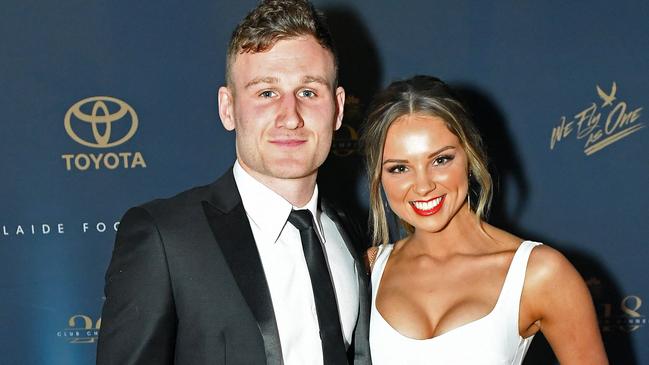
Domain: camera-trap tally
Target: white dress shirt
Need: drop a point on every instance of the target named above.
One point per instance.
(280, 250)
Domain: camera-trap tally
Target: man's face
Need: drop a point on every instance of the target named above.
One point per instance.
(284, 108)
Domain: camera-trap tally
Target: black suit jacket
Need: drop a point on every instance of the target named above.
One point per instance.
(186, 286)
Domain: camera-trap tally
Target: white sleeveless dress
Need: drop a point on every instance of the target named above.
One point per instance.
(490, 340)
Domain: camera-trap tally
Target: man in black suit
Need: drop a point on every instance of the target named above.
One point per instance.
(232, 272)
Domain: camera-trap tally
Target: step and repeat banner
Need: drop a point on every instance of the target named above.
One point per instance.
(108, 104)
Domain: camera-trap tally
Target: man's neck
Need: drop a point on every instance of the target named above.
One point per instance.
(297, 191)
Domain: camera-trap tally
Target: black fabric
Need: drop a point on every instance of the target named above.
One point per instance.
(333, 347)
(240, 251)
(178, 291)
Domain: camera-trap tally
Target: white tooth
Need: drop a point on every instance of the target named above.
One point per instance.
(424, 205)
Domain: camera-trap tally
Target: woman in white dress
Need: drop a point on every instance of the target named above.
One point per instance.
(457, 290)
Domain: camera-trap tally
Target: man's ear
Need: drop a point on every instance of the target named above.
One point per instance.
(340, 106)
(226, 108)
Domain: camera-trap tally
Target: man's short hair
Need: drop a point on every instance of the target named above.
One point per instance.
(275, 20)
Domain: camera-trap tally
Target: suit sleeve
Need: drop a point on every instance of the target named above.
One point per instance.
(138, 317)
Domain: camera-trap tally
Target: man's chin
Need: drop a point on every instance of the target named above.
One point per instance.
(290, 168)
(282, 168)
(292, 173)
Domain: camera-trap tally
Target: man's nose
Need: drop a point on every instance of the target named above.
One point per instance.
(289, 115)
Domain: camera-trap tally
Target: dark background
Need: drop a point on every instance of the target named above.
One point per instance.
(520, 66)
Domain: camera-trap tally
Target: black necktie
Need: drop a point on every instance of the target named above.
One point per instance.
(333, 347)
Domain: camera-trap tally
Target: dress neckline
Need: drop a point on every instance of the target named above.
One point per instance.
(389, 248)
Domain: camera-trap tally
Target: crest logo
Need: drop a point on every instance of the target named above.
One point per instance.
(97, 115)
(345, 140)
(600, 125)
(616, 314)
(81, 329)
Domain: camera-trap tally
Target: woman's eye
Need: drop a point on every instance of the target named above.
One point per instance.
(443, 160)
(398, 169)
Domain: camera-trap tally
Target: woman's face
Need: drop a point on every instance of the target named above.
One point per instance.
(424, 171)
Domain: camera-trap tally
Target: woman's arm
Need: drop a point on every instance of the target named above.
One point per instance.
(557, 302)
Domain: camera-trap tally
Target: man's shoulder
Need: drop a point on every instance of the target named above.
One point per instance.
(348, 219)
(189, 200)
(338, 210)
(190, 196)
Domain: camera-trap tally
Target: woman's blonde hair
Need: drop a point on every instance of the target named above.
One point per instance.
(422, 95)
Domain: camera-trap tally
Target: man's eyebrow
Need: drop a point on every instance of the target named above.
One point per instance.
(262, 80)
(317, 79)
(274, 80)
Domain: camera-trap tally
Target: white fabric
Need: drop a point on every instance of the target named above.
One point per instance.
(490, 340)
(280, 249)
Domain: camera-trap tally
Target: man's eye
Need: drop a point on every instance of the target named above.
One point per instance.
(267, 94)
(307, 93)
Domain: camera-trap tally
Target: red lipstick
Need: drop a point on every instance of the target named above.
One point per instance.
(428, 207)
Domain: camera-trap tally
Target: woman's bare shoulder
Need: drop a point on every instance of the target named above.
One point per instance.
(547, 264)
(553, 282)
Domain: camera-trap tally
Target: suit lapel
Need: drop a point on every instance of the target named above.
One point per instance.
(231, 229)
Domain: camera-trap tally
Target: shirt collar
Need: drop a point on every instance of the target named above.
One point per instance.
(268, 210)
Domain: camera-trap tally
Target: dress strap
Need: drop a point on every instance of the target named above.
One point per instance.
(379, 265)
(510, 297)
